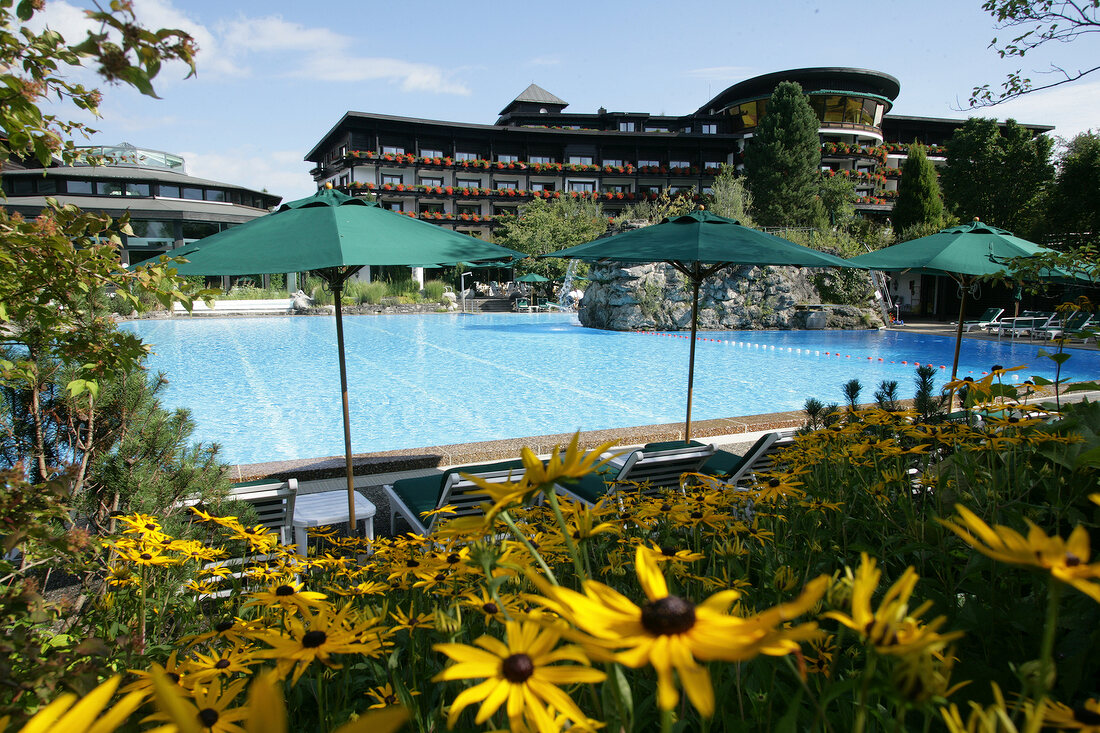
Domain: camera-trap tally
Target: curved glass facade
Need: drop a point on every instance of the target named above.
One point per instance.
(847, 109)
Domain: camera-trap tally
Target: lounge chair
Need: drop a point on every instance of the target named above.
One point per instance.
(412, 497)
(985, 320)
(659, 467)
(521, 304)
(1025, 325)
(272, 500)
(1064, 329)
(543, 304)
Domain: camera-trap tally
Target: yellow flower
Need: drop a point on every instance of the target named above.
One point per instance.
(208, 705)
(672, 633)
(892, 629)
(1067, 560)
(89, 714)
(1085, 717)
(412, 621)
(999, 717)
(288, 596)
(203, 668)
(315, 637)
(385, 696)
(668, 553)
(520, 673)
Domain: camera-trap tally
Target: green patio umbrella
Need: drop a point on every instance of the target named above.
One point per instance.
(964, 253)
(532, 277)
(334, 235)
(699, 245)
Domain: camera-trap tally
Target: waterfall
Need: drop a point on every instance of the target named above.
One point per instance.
(567, 283)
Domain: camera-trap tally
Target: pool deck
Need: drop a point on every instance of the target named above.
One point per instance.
(938, 328)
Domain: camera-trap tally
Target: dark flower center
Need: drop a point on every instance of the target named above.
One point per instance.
(146, 556)
(208, 717)
(410, 563)
(490, 608)
(666, 507)
(668, 615)
(391, 699)
(1013, 419)
(668, 550)
(221, 664)
(696, 515)
(1086, 716)
(517, 668)
(223, 626)
(150, 527)
(314, 639)
(284, 590)
(440, 577)
(773, 482)
(453, 558)
(1072, 560)
(577, 534)
(173, 676)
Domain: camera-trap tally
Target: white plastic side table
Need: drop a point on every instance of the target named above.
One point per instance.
(328, 507)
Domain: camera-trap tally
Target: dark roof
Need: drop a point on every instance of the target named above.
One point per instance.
(858, 81)
(130, 173)
(537, 94)
(140, 206)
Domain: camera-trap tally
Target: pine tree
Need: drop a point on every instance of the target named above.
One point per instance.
(783, 161)
(919, 201)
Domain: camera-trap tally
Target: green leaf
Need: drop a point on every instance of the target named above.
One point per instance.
(1088, 458)
(1083, 387)
(789, 721)
(1041, 381)
(1060, 358)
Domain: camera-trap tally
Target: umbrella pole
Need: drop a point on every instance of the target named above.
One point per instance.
(337, 292)
(695, 282)
(958, 339)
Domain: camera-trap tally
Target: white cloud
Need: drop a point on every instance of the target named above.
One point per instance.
(319, 54)
(281, 172)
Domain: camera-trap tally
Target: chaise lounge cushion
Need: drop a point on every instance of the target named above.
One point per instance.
(421, 494)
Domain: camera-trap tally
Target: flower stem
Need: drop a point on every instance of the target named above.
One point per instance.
(552, 497)
(507, 519)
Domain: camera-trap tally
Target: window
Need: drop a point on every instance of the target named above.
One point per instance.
(430, 153)
(110, 188)
(674, 190)
(649, 163)
(394, 205)
(431, 181)
(540, 159)
(192, 193)
(469, 209)
(707, 191)
(431, 208)
(198, 229)
(626, 126)
(580, 160)
(217, 194)
(504, 211)
(679, 164)
(172, 192)
(393, 150)
(468, 182)
(616, 162)
(685, 128)
(649, 189)
(344, 180)
(616, 188)
(716, 164)
(656, 129)
(137, 189)
(150, 229)
(465, 156)
(512, 185)
(581, 186)
(47, 185)
(540, 186)
(710, 128)
(507, 158)
(391, 179)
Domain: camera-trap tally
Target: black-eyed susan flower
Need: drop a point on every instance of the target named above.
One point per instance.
(288, 596)
(1084, 717)
(315, 637)
(88, 714)
(384, 696)
(412, 621)
(1067, 560)
(522, 673)
(670, 553)
(671, 633)
(174, 670)
(998, 717)
(892, 628)
(208, 705)
(202, 668)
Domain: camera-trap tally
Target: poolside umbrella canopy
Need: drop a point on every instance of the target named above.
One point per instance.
(699, 245)
(964, 253)
(334, 235)
(532, 277)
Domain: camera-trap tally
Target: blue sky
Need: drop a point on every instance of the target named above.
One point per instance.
(274, 76)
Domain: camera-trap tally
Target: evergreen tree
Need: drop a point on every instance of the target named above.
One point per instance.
(919, 203)
(783, 161)
(999, 176)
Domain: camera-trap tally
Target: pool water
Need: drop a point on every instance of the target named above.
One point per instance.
(267, 389)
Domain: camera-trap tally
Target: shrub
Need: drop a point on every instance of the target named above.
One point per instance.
(408, 287)
(434, 289)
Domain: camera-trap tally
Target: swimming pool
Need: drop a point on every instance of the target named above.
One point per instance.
(267, 389)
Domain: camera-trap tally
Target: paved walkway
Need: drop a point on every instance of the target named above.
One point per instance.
(939, 328)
